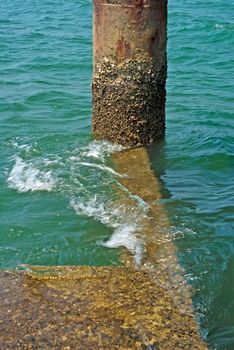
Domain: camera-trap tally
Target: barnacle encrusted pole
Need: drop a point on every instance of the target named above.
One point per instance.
(130, 69)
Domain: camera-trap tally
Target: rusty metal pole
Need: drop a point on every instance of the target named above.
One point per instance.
(130, 68)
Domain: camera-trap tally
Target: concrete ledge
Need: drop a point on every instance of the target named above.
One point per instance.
(90, 308)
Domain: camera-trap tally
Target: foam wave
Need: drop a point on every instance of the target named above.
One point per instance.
(226, 26)
(101, 149)
(97, 208)
(219, 26)
(24, 145)
(25, 177)
(125, 236)
(121, 218)
(102, 167)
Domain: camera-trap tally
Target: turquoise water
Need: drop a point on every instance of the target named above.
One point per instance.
(56, 183)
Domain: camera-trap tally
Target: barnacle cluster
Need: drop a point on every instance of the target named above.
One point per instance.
(129, 101)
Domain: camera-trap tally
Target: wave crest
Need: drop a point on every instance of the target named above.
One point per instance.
(24, 177)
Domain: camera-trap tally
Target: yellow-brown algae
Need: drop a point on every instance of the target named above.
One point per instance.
(91, 308)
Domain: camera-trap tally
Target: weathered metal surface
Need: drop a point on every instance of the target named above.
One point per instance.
(74, 308)
(129, 28)
(130, 69)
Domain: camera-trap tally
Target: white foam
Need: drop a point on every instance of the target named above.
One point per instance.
(96, 208)
(125, 236)
(123, 220)
(52, 161)
(102, 167)
(74, 158)
(219, 26)
(101, 149)
(24, 144)
(25, 177)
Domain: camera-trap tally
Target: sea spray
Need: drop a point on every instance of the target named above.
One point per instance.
(126, 236)
(75, 175)
(101, 149)
(25, 177)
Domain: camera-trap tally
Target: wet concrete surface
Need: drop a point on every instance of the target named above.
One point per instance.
(91, 308)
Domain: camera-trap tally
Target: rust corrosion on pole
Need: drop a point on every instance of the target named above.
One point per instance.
(130, 69)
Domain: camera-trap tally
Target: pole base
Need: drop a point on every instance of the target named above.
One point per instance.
(129, 101)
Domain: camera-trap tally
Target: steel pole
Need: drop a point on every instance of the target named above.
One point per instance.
(129, 70)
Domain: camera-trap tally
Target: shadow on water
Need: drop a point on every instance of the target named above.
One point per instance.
(199, 255)
(157, 158)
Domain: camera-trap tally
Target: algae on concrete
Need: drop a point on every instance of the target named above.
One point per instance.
(74, 308)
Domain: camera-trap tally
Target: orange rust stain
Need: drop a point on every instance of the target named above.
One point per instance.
(137, 8)
(138, 4)
(123, 49)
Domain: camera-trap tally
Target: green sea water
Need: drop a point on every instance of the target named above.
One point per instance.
(56, 182)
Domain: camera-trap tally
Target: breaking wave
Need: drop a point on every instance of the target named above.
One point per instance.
(25, 177)
(101, 149)
(75, 174)
(123, 219)
(101, 167)
(125, 236)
